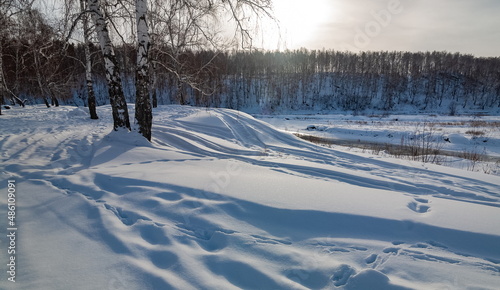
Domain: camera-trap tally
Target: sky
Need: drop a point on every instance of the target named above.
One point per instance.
(465, 26)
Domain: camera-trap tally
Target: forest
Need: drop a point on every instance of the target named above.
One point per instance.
(271, 80)
(40, 65)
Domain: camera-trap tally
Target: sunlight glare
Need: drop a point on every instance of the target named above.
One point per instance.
(299, 20)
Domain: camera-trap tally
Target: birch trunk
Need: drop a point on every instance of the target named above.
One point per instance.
(2, 90)
(88, 63)
(153, 79)
(39, 79)
(116, 96)
(143, 111)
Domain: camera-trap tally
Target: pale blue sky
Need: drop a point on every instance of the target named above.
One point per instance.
(466, 26)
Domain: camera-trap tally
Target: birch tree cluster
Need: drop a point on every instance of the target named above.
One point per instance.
(151, 52)
(177, 25)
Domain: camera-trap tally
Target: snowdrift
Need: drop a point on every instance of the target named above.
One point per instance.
(220, 200)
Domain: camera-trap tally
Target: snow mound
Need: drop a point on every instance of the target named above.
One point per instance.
(78, 112)
(372, 279)
(220, 200)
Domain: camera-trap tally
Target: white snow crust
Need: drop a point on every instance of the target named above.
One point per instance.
(221, 200)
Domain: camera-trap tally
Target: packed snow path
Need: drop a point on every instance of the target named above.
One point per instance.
(220, 200)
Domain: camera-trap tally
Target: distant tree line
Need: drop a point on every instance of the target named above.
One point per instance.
(289, 80)
(385, 80)
(40, 64)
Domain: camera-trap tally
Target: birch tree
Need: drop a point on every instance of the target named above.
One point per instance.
(188, 25)
(88, 62)
(143, 111)
(194, 27)
(3, 24)
(116, 96)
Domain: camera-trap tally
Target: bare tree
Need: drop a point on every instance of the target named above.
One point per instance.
(88, 61)
(8, 10)
(3, 25)
(186, 25)
(143, 110)
(47, 65)
(181, 27)
(72, 17)
(116, 96)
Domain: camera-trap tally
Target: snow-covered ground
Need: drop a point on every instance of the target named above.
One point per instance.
(477, 137)
(220, 200)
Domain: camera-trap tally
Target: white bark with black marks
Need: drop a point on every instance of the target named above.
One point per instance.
(153, 80)
(3, 24)
(143, 110)
(88, 62)
(2, 90)
(116, 96)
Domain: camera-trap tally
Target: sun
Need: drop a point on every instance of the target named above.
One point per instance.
(300, 20)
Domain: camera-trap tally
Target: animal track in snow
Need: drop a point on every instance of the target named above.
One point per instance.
(428, 257)
(126, 217)
(345, 249)
(433, 251)
(357, 248)
(419, 205)
(331, 248)
(266, 240)
(153, 234)
(420, 245)
(371, 259)
(163, 259)
(422, 200)
(311, 279)
(391, 250)
(217, 242)
(342, 275)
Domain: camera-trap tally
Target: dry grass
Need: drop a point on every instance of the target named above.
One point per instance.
(484, 124)
(417, 147)
(474, 158)
(475, 133)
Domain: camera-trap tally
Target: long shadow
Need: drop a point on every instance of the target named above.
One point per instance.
(96, 228)
(336, 159)
(260, 130)
(300, 225)
(284, 226)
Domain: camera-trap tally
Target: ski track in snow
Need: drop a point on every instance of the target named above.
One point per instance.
(220, 200)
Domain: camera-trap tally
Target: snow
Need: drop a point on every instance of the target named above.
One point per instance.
(452, 134)
(221, 200)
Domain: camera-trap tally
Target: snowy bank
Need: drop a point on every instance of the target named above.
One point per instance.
(220, 200)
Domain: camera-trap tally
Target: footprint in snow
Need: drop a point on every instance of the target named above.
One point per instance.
(153, 234)
(342, 275)
(419, 205)
(371, 259)
(163, 259)
(391, 250)
(128, 218)
(218, 241)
